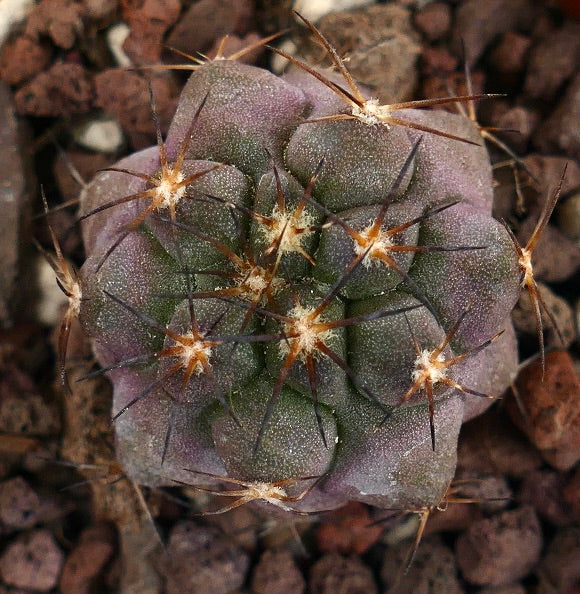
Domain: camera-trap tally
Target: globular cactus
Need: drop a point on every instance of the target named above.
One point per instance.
(299, 292)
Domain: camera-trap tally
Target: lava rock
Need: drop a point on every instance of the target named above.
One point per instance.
(492, 445)
(348, 531)
(99, 9)
(33, 561)
(277, 573)
(125, 96)
(561, 131)
(552, 62)
(551, 403)
(86, 164)
(499, 550)
(22, 409)
(59, 19)
(434, 21)
(453, 517)
(334, 573)
(383, 48)
(510, 54)
(19, 505)
(544, 491)
(22, 58)
(477, 24)
(148, 21)
(559, 570)
(433, 570)
(208, 20)
(60, 91)
(87, 559)
(518, 124)
(572, 495)
(199, 559)
(436, 60)
(511, 589)
(525, 320)
(547, 169)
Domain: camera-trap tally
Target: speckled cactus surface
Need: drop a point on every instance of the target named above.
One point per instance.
(279, 294)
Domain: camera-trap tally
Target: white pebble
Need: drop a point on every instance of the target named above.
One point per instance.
(100, 136)
(279, 63)
(116, 36)
(50, 298)
(313, 10)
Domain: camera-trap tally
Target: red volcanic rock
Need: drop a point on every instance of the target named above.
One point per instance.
(125, 95)
(58, 19)
(201, 560)
(433, 569)
(502, 549)
(277, 573)
(552, 415)
(477, 24)
(509, 56)
(559, 570)
(552, 62)
(32, 561)
(61, 90)
(22, 58)
(334, 573)
(348, 530)
(87, 559)
(434, 21)
(561, 131)
(148, 21)
(490, 444)
(208, 20)
(19, 504)
(544, 490)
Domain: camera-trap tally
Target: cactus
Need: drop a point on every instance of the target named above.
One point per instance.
(299, 292)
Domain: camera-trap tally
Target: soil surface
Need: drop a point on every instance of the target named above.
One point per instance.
(73, 101)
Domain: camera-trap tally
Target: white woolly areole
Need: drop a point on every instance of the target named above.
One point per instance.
(295, 230)
(425, 367)
(307, 333)
(368, 113)
(267, 491)
(372, 113)
(196, 350)
(272, 494)
(380, 245)
(255, 282)
(75, 298)
(168, 192)
(525, 262)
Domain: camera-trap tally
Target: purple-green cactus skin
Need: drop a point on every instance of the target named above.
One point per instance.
(248, 407)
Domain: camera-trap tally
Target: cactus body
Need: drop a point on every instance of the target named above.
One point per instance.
(264, 390)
